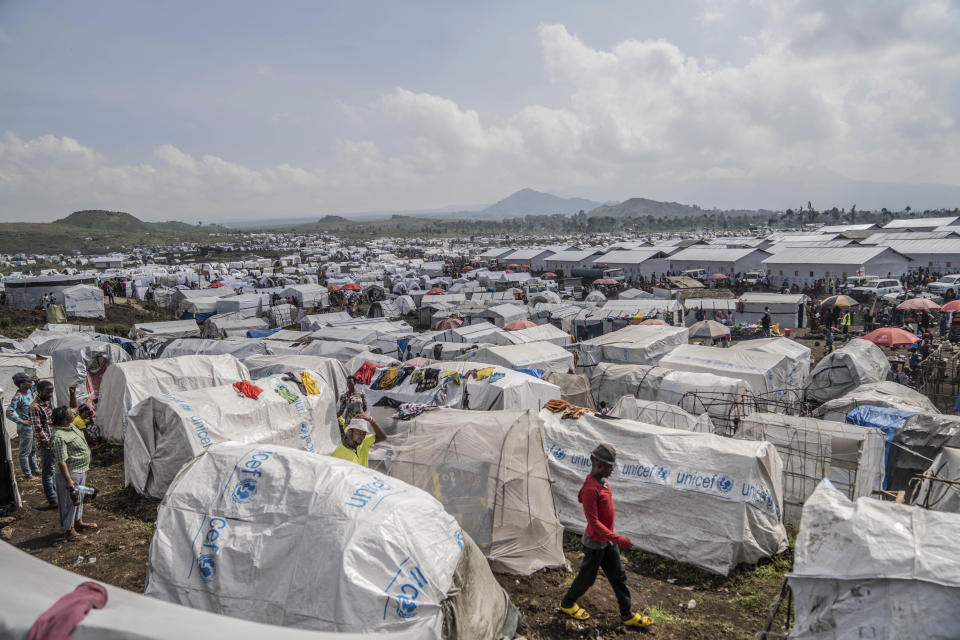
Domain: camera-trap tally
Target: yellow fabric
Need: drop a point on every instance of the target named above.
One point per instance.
(486, 372)
(845, 320)
(309, 384)
(360, 455)
(389, 378)
(79, 423)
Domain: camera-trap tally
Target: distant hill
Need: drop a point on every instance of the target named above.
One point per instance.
(530, 202)
(100, 220)
(637, 207)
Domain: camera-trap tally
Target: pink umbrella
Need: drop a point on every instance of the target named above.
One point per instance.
(507, 271)
(953, 305)
(449, 323)
(435, 291)
(332, 287)
(918, 304)
(548, 274)
(605, 281)
(891, 337)
(719, 276)
(516, 325)
(653, 321)
(351, 287)
(524, 267)
(468, 268)
(415, 362)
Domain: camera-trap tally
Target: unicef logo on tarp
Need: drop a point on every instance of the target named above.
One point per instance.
(406, 607)
(725, 484)
(559, 453)
(207, 566)
(662, 473)
(244, 490)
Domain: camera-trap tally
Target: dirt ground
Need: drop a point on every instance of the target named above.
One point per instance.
(19, 323)
(724, 607)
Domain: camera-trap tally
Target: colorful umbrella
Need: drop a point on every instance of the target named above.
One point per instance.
(719, 276)
(839, 301)
(548, 274)
(708, 329)
(516, 325)
(514, 266)
(525, 267)
(353, 286)
(917, 304)
(216, 285)
(468, 268)
(653, 321)
(891, 337)
(449, 323)
(332, 287)
(953, 305)
(435, 291)
(605, 281)
(507, 271)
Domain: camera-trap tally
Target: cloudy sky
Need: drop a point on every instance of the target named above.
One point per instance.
(250, 110)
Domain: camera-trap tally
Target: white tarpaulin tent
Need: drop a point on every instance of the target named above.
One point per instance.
(850, 455)
(768, 374)
(83, 301)
(661, 414)
(798, 354)
(166, 330)
(545, 356)
(940, 490)
(164, 431)
(856, 363)
(232, 324)
(331, 371)
(14, 363)
(540, 333)
(73, 357)
(878, 394)
(724, 399)
(238, 347)
(694, 497)
(489, 470)
(276, 535)
(874, 569)
(127, 383)
(633, 344)
(126, 614)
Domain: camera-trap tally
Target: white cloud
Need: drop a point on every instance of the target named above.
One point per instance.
(865, 89)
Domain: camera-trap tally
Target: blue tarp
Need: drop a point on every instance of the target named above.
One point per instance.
(536, 373)
(199, 317)
(887, 420)
(262, 333)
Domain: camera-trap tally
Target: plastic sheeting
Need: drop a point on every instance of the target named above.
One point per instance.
(331, 371)
(574, 387)
(71, 356)
(727, 396)
(769, 374)
(238, 347)
(941, 495)
(858, 362)
(873, 569)
(633, 344)
(694, 497)
(850, 455)
(661, 414)
(281, 536)
(83, 301)
(164, 431)
(127, 383)
(168, 330)
(798, 354)
(878, 394)
(532, 355)
(918, 440)
(127, 614)
(489, 470)
(232, 324)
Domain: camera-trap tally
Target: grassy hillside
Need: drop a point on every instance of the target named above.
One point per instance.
(106, 221)
(637, 207)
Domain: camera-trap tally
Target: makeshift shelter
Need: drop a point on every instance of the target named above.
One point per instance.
(330, 370)
(333, 542)
(877, 394)
(198, 309)
(78, 359)
(632, 344)
(724, 399)
(12, 364)
(858, 362)
(799, 355)
(574, 388)
(232, 324)
(918, 439)
(83, 301)
(238, 347)
(850, 455)
(320, 320)
(489, 470)
(940, 488)
(165, 431)
(542, 333)
(283, 315)
(127, 383)
(789, 310)
(545, 356)
(307, 295)
(247, 304)
(717, 501)
(165, 330)
(874, 569)
(660, 414)
(127, 614)
(503, 314)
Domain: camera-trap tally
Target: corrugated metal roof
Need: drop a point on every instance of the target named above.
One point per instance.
(804, 237)
(831, 244)
(840, 228)
(885, 238)
(715, 254)
(942, 245)
(525, 254)
(915, 223)
(830, 255)
(632, 256)
(736, 242)
(667, 249)
(572, 256)
(495, 252)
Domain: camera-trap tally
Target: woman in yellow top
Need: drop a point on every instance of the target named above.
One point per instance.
(357, 439)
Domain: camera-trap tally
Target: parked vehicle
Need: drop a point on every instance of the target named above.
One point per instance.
(857, 281)
(944, 284)
(882, 287)
(754, 277)
(696, 274)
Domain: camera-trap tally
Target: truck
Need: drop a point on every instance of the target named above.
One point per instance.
(589, 274)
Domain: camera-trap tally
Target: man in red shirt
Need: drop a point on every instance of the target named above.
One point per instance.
(601, 546)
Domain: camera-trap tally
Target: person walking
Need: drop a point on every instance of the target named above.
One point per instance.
(41, 417)
(601, 546)
(72, 457)
(18, 412)
(765, 322)
(845, 322)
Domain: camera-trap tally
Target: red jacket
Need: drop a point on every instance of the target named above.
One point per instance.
(597, 501)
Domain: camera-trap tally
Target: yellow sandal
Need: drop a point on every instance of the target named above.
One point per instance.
(639, 621)
(576, 611)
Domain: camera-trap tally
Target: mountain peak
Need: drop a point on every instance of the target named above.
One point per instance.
(105, 220)
(528, 201)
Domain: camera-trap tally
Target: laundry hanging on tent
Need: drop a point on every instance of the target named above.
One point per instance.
(364, 374)
(309, 384)
(536, 373)
(450, 374)
(286, 394)
(410, 410)
(430, 379)
(496, 376)
(247, 389)
(387, 379)
(486, 372)
(569, 410)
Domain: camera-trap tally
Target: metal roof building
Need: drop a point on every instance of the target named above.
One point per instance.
(806, 265)
(921, 224)
(635, 262)
(840, 228)
(940, 254)
(717, 259)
